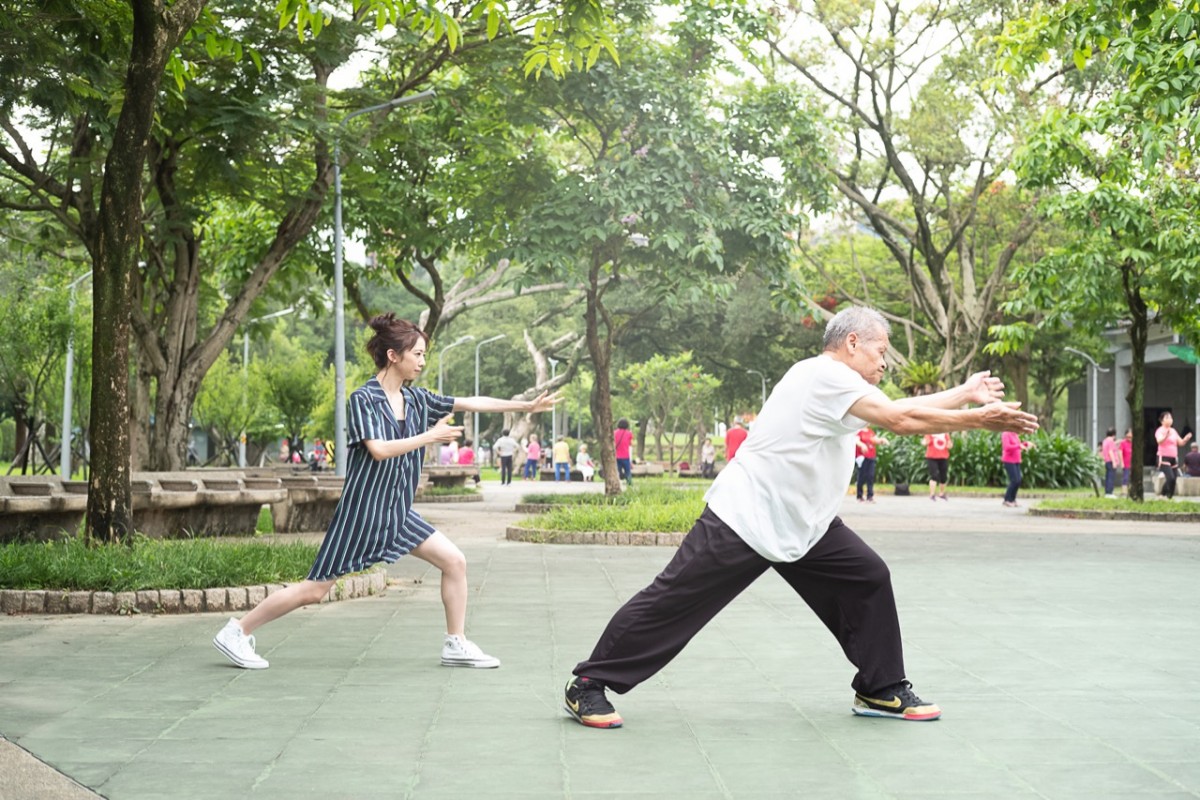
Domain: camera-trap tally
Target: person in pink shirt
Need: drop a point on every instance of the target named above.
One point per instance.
(622, 439)
(1110, 451)
(1126, 458)
(466, 454)
(1011, 448)
(1169, 441)
(937, 459)
(533, 454)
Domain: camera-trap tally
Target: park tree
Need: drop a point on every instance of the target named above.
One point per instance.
(675, 394)
(662, 189)
(94, 182)
(231, 403)
(926, 132)
(292, 379)
(1122, 175)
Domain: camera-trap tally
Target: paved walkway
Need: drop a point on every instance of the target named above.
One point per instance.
(1063, 652)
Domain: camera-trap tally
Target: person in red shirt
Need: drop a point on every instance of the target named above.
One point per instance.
(1126, 458)
(865, 456)
(622, 440)
(733, 440)
(937, 458)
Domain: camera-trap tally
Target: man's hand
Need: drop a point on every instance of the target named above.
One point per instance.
(443, 431)
(1007, 417)
(544, 401)
(981, 388)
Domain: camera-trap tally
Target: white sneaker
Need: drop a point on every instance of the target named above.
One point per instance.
(1110, 497)
(238, 647)
(460, 652)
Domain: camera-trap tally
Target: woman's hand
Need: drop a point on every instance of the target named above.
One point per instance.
(443, 431)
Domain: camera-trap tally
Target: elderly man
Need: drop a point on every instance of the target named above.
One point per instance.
(775, 507)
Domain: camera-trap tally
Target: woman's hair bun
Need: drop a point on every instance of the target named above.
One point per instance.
(382, 322)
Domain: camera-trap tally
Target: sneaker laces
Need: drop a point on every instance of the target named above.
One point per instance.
(592, 698)
(907, 696)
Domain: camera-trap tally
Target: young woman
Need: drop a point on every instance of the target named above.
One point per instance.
(390, 425)
(1169, 441)
(1011, 448)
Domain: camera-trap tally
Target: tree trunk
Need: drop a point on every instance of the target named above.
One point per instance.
(156, 30)
(600, 349)
(1138, 332)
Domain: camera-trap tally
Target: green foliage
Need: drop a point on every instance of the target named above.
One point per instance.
(231, 400)
(70, 564)
(671, 391)
(658, 510)
(293, 380)
(921, 377)
(1056, 461)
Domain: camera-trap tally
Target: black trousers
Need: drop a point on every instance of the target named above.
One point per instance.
(1014, 481)
(1166, 465)
(841, 579)
(506, 465)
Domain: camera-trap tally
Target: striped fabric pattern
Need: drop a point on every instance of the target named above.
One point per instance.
(374, 520)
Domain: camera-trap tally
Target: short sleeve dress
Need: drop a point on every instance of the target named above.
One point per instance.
(374, 520)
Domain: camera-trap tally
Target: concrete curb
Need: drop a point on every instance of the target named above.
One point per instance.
(449, 498)
(1132, 516)
(635, 538)
(174, 601)
(537, 508)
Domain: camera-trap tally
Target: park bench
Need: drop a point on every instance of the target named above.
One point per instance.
(449, 475)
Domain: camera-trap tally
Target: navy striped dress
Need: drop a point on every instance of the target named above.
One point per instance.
(374, 520)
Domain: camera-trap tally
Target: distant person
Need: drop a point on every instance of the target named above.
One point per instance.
(584, 463)
(1011, 448)
(622, 442)
(533, 454)
(285, 451)
(1169, 442)
(297, 458)
(466, 458)
(1126, 458)
(937, 460)
(867, 458)
(562, 460)
(708, 458)
(1191, 462)
(1110, 452)
(505, 448)
(320, 455)
(775, 507)
(390, 423)
(733, 440)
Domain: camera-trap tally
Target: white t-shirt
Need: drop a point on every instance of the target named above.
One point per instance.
(791, 474)
(505, 446)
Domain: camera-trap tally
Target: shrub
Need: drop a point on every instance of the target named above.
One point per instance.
(1056, 461)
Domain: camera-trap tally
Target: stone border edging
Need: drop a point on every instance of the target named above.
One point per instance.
(449, 498)
(1132, 516)
(537, 508)
(636, 538)
(173, 601)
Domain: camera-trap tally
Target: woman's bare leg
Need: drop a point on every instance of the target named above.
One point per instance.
(442, 553)
(285, 600)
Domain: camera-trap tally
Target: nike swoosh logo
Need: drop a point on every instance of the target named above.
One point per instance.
(573, 705)
(893, 703)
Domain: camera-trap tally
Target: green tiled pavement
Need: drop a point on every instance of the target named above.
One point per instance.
(1062, 652)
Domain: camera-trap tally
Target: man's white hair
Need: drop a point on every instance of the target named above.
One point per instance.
(868, 323)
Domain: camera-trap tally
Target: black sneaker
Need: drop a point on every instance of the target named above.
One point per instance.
(896, 702)
(585, 701)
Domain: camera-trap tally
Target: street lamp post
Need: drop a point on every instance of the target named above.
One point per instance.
(763, 393)
(339, 313)
(553, 409)
(442, 358)
(246, 374)
(64, 457)
(475, 415)
(1093, 390)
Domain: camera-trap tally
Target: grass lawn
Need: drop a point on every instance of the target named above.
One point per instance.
(656, 509)
(69, 564)
(1177, 506)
